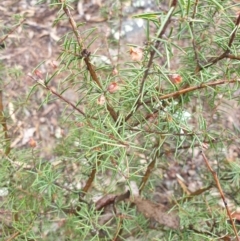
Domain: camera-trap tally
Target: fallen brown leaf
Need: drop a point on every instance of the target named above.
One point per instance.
(158, 212)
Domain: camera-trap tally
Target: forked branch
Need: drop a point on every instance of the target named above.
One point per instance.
(226, 53)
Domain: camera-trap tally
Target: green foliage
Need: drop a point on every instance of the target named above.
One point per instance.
(134, 121)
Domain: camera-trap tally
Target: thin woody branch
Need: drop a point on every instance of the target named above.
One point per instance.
(193, 88)
(147, 174)
(61, 97)
(85, 54)
(191, 24)
(187, 90)
(111, 137)
(150, 62)
(215, 177)
(226, 53)
(231, 56)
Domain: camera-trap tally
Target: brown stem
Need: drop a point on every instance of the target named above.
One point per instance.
(185, 91)
(85, 54)
(193, 88)
(41, 82)
(64, 99)
(150, 62)
(193, 34)
(231, 56)
(226, 52)
(3, 122)
(13, 236)
(234, 32)
(215, 177)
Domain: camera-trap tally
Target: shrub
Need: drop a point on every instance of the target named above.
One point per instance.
(145, 151)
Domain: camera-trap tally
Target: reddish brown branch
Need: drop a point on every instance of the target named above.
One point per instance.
(234, 32)
(85, 54)
(215, 177)
(187, 90)
(193, 88)
(231, 56)
(226, 52)
(153, 52)
(41, 82)
(62, 98)
(13, 236)
(73, 24)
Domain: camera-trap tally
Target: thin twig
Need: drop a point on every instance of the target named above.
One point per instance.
(119, 31)
(13, 236)
(3, 122)
(225, 54)
(11, 31)
(153, 51)
(231, 56)
(62, 98)
(234, 32)
(189, 89)
(215, 177)
(193, 34)
(65, 100)
(193, 88)
(111, 137)
(149, 168)
(73, 24)
(150, 62)
(85, 54)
